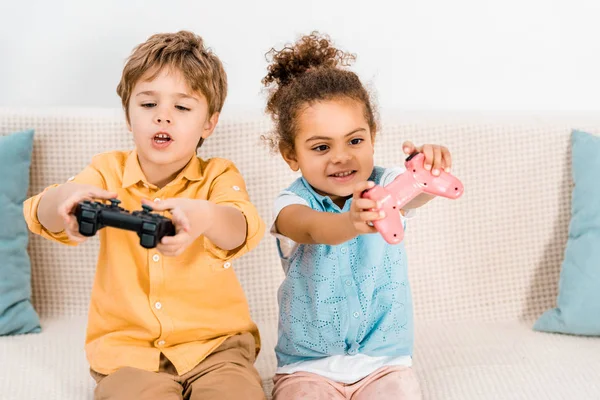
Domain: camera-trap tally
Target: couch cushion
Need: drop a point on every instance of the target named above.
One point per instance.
(504, 361)
(578, 308)
(49, 365)
(16, 311)
(460, 360)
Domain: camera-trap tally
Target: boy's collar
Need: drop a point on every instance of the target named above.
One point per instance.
(133, 173)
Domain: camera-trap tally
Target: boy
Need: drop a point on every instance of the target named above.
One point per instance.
(170, 322)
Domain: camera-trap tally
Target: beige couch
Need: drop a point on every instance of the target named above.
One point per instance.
(482, 268)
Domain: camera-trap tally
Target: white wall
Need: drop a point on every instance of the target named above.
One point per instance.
(417, 54)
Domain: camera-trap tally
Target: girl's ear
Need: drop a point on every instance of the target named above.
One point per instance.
(289, 155)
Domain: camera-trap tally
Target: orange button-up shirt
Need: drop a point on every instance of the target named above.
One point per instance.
(144, 303)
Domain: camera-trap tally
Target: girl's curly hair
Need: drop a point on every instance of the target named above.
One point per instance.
(308, 71)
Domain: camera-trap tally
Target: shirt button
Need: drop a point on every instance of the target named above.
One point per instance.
(236, 188)
(155, 258)
(348, 282)
(352, 351)
(356, 314)
(343, 250)
(158, 305)
(160, 343)
(156, 200)
(71, 179)
(227, 265)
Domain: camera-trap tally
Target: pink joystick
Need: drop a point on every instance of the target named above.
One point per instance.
(408, 185)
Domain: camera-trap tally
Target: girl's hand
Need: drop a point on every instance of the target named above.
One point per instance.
(364, 211)
(436, 157)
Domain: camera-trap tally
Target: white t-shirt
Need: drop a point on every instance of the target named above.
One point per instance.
(339, 368)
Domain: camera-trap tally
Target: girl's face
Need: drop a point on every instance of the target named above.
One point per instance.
(333, 147)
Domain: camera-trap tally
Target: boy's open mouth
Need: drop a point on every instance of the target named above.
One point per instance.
(162, 137)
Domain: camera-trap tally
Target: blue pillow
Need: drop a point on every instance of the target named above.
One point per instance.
(578, 308)
(17, 315)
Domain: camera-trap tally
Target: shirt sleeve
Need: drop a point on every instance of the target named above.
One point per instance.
(285, 245)
(284, 199)
(229, 189)
(90, 176)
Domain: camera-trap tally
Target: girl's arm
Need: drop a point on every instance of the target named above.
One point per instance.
(418, 201)
(307, 226)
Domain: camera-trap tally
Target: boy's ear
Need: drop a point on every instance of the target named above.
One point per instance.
(289, 155)
(210, 125)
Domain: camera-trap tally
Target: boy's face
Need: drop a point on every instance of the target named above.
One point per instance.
(333, 147)
(168, 120)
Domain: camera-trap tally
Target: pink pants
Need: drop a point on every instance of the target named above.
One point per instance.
(393, 383)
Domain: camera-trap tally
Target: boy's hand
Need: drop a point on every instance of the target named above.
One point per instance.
(364, 211)
(191, 219)
(436, 156)
(76, 193)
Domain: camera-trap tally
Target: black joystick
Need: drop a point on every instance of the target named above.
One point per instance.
(151, 228)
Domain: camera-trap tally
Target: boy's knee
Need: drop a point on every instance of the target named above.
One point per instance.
(132, 383)
(230, 381)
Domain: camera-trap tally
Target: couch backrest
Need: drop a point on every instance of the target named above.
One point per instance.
(493, 254)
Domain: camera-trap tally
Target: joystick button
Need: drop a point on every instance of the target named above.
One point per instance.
(88, 214)
(147, 241)
(148, 227)
(86, 228)
(410, 157)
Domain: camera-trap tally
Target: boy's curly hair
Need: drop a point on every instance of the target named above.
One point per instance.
(308, 71)
(184, 51)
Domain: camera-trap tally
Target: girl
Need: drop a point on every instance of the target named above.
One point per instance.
(345, 308)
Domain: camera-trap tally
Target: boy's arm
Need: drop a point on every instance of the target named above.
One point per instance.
(48, 208)
(236, 227)
(228, 228)
(307, 226)
(42, 210)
